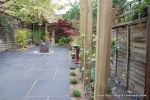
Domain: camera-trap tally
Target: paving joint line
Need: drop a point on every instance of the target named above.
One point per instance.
(31, 87)
(47, 98)
(55, 73)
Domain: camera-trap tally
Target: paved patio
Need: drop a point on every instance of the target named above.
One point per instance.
(30, 75)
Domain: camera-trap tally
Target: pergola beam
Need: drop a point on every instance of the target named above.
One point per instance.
(104, 27)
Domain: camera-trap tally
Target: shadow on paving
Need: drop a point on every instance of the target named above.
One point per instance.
(30, 75)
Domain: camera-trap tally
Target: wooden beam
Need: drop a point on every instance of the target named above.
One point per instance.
(104, 27)
(147, 74)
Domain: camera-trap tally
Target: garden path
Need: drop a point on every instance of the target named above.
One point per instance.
(29, 75)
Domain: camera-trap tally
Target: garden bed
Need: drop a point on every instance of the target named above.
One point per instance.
(78, 86)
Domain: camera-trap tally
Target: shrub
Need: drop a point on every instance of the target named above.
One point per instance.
(76, 93)
(73, 81)
(63, 40)
(21, 37)
(72, 73)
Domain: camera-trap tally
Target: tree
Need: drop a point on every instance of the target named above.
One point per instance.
(33, 11)
(73, 12)
(119, 3)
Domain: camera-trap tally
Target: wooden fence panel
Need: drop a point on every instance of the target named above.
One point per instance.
(122, 55)
(131, 56)
(137, 59)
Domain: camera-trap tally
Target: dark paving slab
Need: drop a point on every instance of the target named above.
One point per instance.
(24, 98)
(30, 75)
(14, 87)
(11, 74)
(60, 98)
(52, 88)
(39, 74)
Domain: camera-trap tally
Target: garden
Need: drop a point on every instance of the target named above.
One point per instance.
(109, 55)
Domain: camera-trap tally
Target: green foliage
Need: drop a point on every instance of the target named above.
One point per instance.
(119, 3)
(72, 73)
(73, 81)
(114, 47)
(90, 90)
(33, 11)
(72, 68)
(94, 10)
(127, 18)
(76, 93)
(73, 12)
(63, 40)
(21, 37)
(143, 4)
(37, 35)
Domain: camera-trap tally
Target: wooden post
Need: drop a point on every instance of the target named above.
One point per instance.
(104, 27)
(87, 41)
(53, 36)
(147, 73)
(81, 32)
(46, 32)
(81, 16)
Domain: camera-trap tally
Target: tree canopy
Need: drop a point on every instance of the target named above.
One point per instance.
(73, 12)
(33, 11)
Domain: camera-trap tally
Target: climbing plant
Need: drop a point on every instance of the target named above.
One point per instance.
(6, 25)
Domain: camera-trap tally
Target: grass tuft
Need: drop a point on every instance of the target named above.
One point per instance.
(72, 73)
(76, 93)
(73, 81)
(72, 68)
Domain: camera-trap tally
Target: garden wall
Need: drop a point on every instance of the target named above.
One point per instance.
(8, 25)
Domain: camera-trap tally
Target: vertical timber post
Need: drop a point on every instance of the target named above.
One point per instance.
(46, 31)
(81, 31)
(87, 41)
(147, 74)
(53, 36)
(81, 16)
(104, 27)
